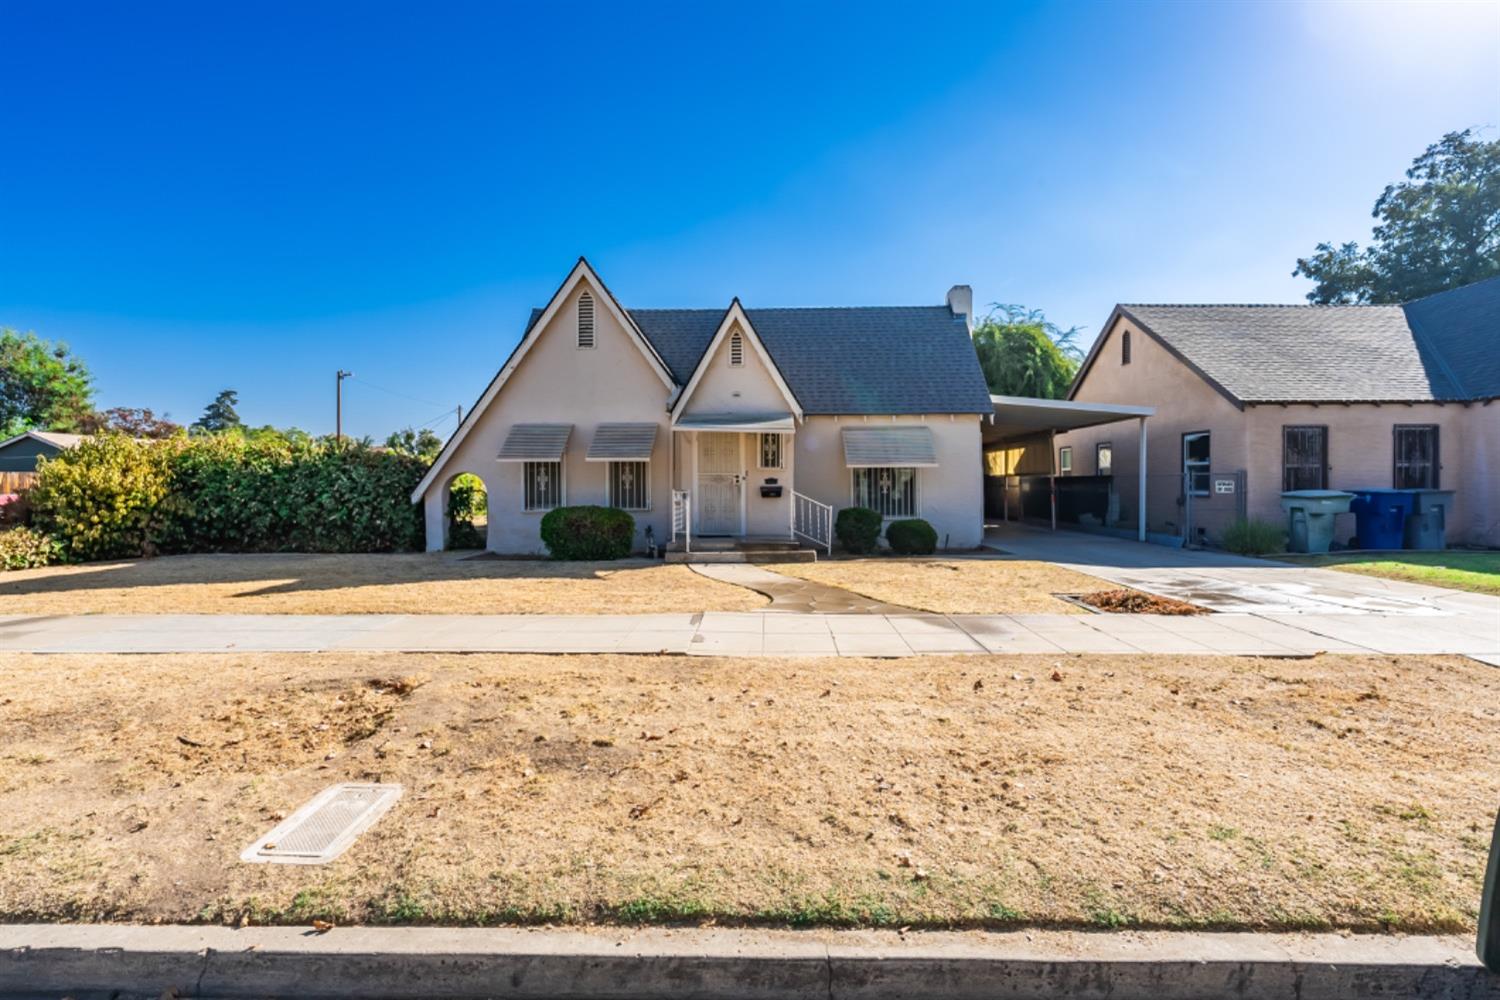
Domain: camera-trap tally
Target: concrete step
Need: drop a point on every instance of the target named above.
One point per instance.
(740, 556)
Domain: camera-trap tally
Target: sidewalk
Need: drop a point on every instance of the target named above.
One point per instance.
(434, 962)
(762, 634)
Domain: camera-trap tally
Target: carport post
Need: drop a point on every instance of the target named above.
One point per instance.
(1140, 488)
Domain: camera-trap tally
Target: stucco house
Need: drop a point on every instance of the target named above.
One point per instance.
(737, 424)
(1254, 399)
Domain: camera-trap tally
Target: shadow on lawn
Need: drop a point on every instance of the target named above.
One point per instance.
(287, 573)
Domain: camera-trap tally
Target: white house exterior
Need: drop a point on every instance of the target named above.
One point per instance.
(709, 411)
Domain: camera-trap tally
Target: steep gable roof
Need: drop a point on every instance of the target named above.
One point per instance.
(1445, 347)
(865, 359)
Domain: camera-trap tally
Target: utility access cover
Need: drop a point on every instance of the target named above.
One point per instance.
(325, 827)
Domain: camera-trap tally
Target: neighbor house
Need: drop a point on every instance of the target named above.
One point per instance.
(1252, 400)
(735, 424)
(18, 455)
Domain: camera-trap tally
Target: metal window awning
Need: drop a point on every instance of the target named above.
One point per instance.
(622, 443)
(751, 422)
(535, 443)
(889, 446)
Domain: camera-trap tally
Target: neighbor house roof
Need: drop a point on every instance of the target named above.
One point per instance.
(56, 439)
(1445, 347)
(854, 360)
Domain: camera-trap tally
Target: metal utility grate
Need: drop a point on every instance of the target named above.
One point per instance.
(325, 827)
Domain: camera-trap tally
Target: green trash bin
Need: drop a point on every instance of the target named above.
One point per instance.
(1310, 517)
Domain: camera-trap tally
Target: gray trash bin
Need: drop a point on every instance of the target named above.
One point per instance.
(1310, 517)
(1427, 527)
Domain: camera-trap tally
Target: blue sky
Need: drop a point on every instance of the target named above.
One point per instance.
(198, 196)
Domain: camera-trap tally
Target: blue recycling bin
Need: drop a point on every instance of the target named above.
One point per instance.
(1380, 517)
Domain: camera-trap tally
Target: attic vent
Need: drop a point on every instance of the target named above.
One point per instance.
(736, 350)
(1125, 348)
(585, 320)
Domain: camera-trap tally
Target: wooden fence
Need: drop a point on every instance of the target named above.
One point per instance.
(14, 482)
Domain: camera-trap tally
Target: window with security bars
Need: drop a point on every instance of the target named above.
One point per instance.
(770, 451)
(888, 492)
(543, 487)
(629, 486)
(1304, 458)
(736, 350)
(1416, 464)
(1195, 462)
(585, 320)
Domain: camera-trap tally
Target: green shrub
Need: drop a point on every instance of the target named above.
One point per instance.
(22, 548)
(466, 502)
(858, 530)
(912, 537)
(114, 497)
(1254, 537)
(107, 498)
(588, 532)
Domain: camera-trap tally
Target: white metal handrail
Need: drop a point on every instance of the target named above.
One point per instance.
(682, 518)
(813, 521)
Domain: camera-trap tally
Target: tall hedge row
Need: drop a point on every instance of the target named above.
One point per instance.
(113, 497)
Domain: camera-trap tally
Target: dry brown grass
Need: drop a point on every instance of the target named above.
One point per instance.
(974, 586)
(436, 583)
(1169, 791)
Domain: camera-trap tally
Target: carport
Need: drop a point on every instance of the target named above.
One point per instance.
(1019, 422)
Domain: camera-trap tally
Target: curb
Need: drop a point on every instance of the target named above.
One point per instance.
(392, 963)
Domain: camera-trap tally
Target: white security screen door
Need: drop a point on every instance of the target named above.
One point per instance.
(718, 497)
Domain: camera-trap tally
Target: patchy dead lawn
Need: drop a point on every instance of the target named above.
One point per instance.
(401, 583)
(975, 586)
(972, 791)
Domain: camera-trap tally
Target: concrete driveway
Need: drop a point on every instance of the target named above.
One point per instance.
(1225, 582)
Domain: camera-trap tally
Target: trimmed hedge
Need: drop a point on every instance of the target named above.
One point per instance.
(858, 530)
(115, 497)
(588, 532)
(912, 537)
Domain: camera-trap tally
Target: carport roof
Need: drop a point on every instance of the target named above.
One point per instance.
(1017, 417)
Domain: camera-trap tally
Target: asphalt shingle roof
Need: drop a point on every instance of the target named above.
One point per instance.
(1443, 347)
(862, 359)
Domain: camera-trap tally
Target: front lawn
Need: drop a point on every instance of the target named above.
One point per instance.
(402, 583)
(1478, 571)
(979, 585)
(1104, 791)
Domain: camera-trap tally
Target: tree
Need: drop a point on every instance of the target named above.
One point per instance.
(136, 423)
(423, 444)
(1438, 229)
(1022, 354)
(42, 385)
(220, 415)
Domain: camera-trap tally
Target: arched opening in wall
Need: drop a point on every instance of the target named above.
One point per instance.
(468, 512)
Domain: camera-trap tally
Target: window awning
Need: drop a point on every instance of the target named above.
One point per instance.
(535, 443)
(622, 443)
(888, 446)
(762, 422)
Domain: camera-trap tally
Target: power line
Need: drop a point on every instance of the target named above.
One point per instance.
(394, 392)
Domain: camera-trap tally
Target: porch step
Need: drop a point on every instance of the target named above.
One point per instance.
(741, 550)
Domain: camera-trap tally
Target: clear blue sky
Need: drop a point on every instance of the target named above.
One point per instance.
(252, 195)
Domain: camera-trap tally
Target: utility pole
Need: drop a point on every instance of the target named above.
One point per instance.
(460, 414)
(338, 403)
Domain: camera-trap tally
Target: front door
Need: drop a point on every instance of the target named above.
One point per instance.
(719, 484)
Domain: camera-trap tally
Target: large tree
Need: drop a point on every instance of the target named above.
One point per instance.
(220, 415)
(132, 422)
(423, 444)
(42, 385)
(1022, 354)
(1438, 229)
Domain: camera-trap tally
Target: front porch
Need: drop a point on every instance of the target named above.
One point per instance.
(734, 497)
